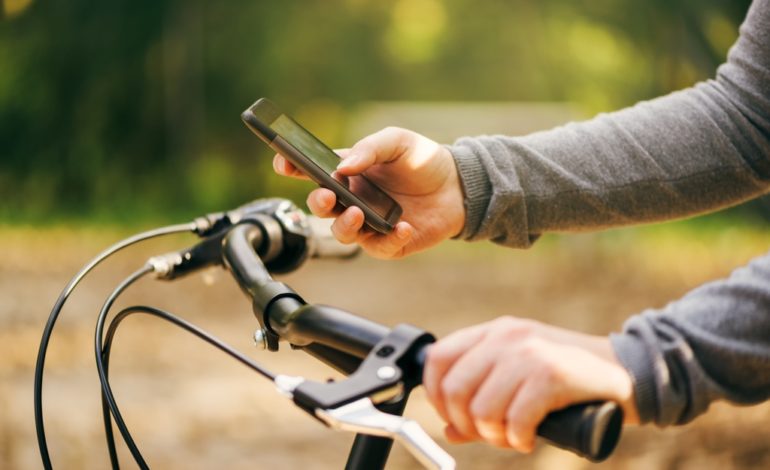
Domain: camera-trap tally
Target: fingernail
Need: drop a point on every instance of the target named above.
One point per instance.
(320, 201)
(348, 162)
(349, 220)
(328, 203)
(402, 233)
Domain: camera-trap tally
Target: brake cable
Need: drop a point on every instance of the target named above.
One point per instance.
(55, 312)
(109, 405)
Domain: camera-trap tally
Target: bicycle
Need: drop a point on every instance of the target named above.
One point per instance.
(382, 365)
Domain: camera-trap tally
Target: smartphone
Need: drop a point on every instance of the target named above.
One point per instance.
(284, 135)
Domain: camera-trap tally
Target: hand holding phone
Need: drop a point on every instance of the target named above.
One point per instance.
(319, 162)
(423, 174)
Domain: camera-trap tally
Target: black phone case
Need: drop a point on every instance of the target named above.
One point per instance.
(344, 196)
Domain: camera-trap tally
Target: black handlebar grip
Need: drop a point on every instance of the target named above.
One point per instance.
(591, 430)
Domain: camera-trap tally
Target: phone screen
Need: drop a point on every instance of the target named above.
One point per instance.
(327, 160)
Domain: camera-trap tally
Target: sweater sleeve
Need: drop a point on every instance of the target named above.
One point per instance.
(712, 344)
(692, 151)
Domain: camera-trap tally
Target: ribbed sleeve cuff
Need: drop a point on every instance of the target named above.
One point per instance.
(634, 356)
(477, 190)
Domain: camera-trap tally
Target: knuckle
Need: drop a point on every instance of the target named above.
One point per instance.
(375, 252)
(548, 373)
(481, 410)
(453, 391)
(551, 381)
(320, 199)
(382, 249)
(511, 419)
(341, 234)
(513, 327)
(506, 323)
(532, 348)
(392, 130)
(438, 356)
(396, 251)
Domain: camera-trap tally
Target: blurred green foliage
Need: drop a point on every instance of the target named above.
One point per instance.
(120, 110)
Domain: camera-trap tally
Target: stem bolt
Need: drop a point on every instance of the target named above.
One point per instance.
(386, 372)
(260, 338)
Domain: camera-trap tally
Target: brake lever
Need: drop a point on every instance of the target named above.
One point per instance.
(387, 374)
(361, 416)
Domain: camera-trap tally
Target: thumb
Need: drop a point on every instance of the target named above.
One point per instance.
(383, 146)
(342, 153)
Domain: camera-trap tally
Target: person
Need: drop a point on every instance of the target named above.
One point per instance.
(689, 152)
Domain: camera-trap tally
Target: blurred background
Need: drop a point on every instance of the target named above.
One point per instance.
(117, 116)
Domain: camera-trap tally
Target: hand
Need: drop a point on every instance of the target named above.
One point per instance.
(416, 171)
(498, 380)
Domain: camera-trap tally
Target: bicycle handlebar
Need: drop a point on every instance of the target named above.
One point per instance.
(343, 340)
(287, 238)
(383, 365)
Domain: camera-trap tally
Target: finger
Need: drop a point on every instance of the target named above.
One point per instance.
(343, 153)
(527, 410)
(348, 224)
(493, 398)
(286, 168)
(383, 146)
(440, 358)
(323, 203)
(454, 436)
(493, 434)
(463, 380)
(389, 245)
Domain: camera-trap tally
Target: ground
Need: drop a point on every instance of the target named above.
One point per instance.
(191, 407)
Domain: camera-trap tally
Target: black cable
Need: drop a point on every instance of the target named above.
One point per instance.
(108, 400)
(189, 327)
(54, 315)
(106, 391)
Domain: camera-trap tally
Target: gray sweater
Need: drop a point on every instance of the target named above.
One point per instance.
(690, 152)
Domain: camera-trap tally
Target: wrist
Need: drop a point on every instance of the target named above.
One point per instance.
(600, 346)
(456, 214)
(473, 188)
(624, 383)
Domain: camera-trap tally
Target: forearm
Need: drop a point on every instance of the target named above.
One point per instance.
(712, 344)
(690, 152)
